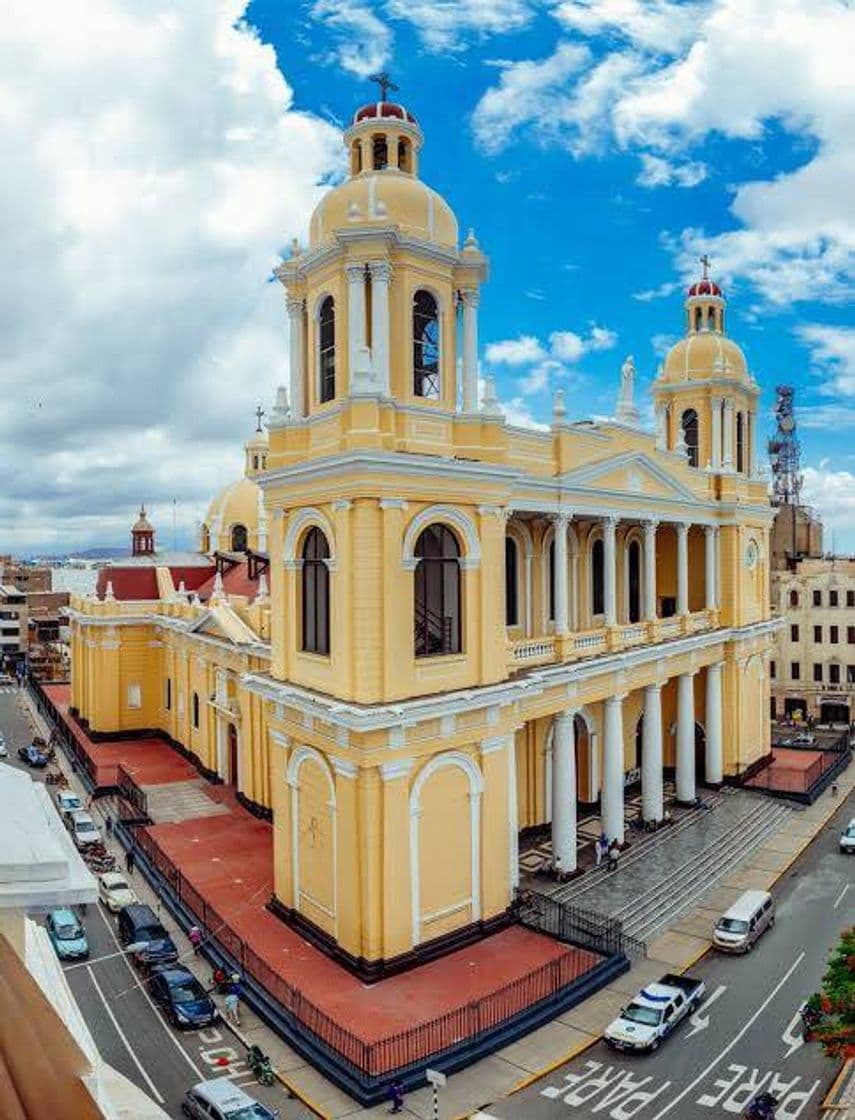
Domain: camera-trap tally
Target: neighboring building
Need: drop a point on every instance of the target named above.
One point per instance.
(13, 627)
(470, 627)
(49, 1063)
(813, 671)
(796, 533)
(26, 577)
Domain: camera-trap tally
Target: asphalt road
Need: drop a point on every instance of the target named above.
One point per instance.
(746, 1037)
(129, 1031)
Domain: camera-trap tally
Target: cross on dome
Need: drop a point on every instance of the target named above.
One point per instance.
(384, 82)
(259, 413)
(705, 261)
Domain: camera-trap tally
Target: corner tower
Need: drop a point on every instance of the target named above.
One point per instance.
(705, 396)
(374, 300)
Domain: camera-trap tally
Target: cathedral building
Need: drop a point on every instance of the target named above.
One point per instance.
(413, 630)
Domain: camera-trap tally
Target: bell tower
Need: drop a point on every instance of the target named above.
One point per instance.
(142, 536)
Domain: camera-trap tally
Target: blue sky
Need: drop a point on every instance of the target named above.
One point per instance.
(593, 210)
(161, 156)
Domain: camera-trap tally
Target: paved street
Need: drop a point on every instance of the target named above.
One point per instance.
(744, 1039)
(129, 1031)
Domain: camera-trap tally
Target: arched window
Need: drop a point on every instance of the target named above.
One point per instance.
(425, 346)
(404, 154)
(255, 462)
(740, 442)
(511, 583)
(699, 318)
(634, 578)
(380, 153)
(169, 694)
(239, 538)
(326, 340)
(598, 580)
(316, 593)
(196, 709)
(794, 598)
(689, 423)
(437, 605)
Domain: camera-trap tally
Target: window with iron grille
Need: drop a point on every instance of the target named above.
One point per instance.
(425, 346)
(326, 340)
(437, 593)
(316, 593)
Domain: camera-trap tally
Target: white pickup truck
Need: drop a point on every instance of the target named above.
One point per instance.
(655, 1012)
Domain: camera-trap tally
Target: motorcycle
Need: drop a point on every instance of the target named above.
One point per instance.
(260, 1065)
(811, 1018)
(762, 1107)
(56, 778)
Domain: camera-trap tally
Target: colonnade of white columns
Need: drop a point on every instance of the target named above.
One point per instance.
(564, 791)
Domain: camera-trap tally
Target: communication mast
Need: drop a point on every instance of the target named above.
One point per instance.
(784, 454)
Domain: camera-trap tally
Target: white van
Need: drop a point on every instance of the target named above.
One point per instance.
(739, 927)
(83, 829)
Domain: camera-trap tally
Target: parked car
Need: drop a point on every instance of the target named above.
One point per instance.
(83, 828)
(847, 838)
(181, 997)
(4, 750)
(654, 1013)
(114, 892)
(219, 1099)
(740, 926)
(67, 935)
(139, 925)
(32, 756)
(67, 802)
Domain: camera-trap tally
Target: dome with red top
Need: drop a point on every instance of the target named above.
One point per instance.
(704, 287)
(383, 109)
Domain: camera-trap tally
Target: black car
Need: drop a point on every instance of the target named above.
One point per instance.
(138, 925)
(32, 756)
(181, 997)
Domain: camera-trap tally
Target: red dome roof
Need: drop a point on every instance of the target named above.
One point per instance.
(704, 288)
(383, 109)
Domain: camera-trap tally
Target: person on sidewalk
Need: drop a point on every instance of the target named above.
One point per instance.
(598, 851)
(396, 1096)
(194, 935)
(108, 825)
(130, 860)
(233, 1000)
(614, 856)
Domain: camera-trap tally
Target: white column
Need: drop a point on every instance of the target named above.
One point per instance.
(611, 798)
(710, 556)
(651, 754)
(751, 418)
(685, 738)
(650, 570)
(609, 572)
(560, 574)
(716, 434)
(661, 433)
(714, 753)
(682, 568)
(470, 349)
(727, 462)
(298, 396)
(563, 794)
(528, 596)
(355, 322)
(381, 275)
(513, 812)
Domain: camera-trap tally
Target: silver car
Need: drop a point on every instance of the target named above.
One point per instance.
(219, 1099)
(847, 838)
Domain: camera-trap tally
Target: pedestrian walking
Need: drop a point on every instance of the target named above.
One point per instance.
(194, 935)
(396, 1096)
(598, 851)
(233, 1000)
(108, 825)
(614, 856)
(130, 860)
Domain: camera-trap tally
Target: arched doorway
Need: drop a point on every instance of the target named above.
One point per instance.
(232, 773)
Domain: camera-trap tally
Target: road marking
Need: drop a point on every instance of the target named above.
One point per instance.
(735, 1039)
(154, 1090)
(701, 1022)
(790, 1040)
(840, 896)
(141, 987)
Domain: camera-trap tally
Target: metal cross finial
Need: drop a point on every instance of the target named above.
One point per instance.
(259, 412)
(384, 82)
(705, 261)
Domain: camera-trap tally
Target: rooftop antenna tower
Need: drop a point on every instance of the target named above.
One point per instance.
(784, 456)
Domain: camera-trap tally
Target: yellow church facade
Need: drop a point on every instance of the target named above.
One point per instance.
(414, 630)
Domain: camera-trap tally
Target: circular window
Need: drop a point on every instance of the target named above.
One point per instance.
(752, 554)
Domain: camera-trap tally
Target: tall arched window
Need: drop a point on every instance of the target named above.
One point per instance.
(699, 318)
(196, 710)
(169, 694)
(598, 579)
(552, 580)
(740, 442)
(794, 598)
(316, 593)
(326, 343)
(634, 578)
(511, 583)
(437, 605)
(689, 423)
(404, 154)
(239, 538)
(425, 346)
(380, 151)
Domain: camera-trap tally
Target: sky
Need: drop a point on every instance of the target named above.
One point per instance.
(160, 155)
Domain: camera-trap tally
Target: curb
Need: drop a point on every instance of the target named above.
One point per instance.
(292, 1090)
(578, 1049)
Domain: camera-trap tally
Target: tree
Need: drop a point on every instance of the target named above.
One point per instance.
(836, 1001)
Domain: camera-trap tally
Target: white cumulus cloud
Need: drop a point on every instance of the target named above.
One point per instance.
(363, 42)
(832, 354)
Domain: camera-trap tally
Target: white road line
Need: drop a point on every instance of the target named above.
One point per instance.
(157, 1014)
(735, 1039)
(840, 896)
(154, 1090)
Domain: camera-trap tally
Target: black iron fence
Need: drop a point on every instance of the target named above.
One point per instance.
(585, 928)
(135, 796)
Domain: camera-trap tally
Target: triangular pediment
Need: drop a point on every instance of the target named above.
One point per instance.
(222, 622)
(633, 473)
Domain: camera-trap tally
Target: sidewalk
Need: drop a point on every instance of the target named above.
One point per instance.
(676, 948)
